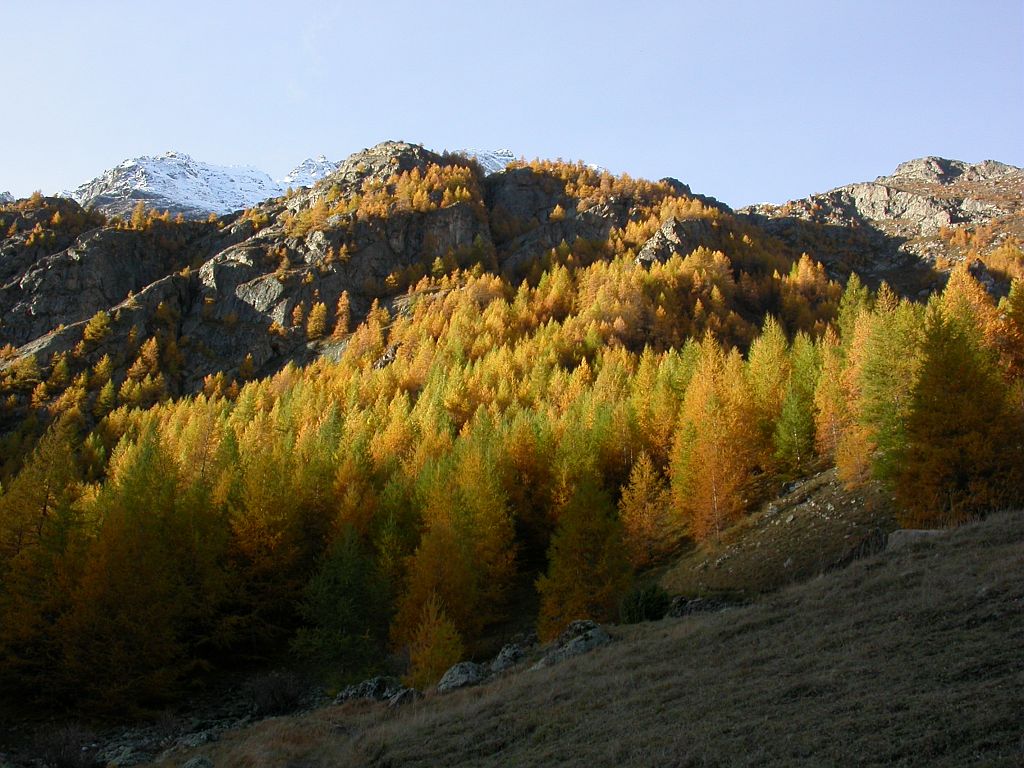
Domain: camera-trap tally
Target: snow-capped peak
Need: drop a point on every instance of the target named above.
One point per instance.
(6, 197)
(176, 182)
(308, 172)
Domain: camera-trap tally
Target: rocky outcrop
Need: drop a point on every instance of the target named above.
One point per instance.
(375, 164)
(578, 638)
(6, 197)
(676, 237)
(895, 222)
(100, 270)
(688, 606)
(939, 170)
(525, 224)
(404, 697)
(508, 657)
(375, 689)
(462, 675)
(911, 537)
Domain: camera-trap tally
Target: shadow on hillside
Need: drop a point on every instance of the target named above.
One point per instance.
(872, 253)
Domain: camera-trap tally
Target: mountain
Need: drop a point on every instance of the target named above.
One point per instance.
(443, 390)
(908, 228)
(902, 224)
(177, 183)
(308, 172)
(6, 197)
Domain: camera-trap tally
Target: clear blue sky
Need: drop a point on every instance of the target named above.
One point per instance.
(748, 101)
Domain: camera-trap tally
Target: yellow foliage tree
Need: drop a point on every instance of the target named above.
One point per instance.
(435, 647)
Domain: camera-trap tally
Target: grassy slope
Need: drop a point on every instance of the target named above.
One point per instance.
(912, 657)
(806, 531)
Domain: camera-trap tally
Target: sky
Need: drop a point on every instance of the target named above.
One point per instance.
(749, 100)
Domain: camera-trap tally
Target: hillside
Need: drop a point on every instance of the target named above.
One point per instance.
(385, 421)
(910, 657)
(232, 288)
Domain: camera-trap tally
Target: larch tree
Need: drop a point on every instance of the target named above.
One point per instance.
(645, 510)
(588, 568)
(962, 449)
(435, 645)
(316, 323)
(794, 430)
(713, 454)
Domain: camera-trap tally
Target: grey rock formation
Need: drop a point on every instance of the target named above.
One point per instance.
(892, 225)
(462, 675)
(374, 689)
(939, 170)
(578, 638)
(522, 202)
(676, 237)
(198, 762)
(375, 164)
(508, 657)
(6, 197)
(99, 271)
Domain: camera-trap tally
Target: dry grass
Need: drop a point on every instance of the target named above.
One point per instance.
(914, 657)
(799, 535)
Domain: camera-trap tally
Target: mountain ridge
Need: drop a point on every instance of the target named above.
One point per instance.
(178, 183)
(53, 285)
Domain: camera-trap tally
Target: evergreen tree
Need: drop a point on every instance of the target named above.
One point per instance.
(345, 608)
(794, 431)
(316, 323)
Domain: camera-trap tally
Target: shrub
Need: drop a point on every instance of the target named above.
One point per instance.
(648, 603)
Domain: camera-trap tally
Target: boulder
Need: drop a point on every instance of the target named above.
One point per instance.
(578, 638)
(379, 688)
(462, 675)
(507, 657)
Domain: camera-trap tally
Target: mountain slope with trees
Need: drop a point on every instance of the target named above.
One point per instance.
(364, 419)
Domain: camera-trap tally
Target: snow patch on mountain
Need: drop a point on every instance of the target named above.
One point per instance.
(492, 161)
(6, 197)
